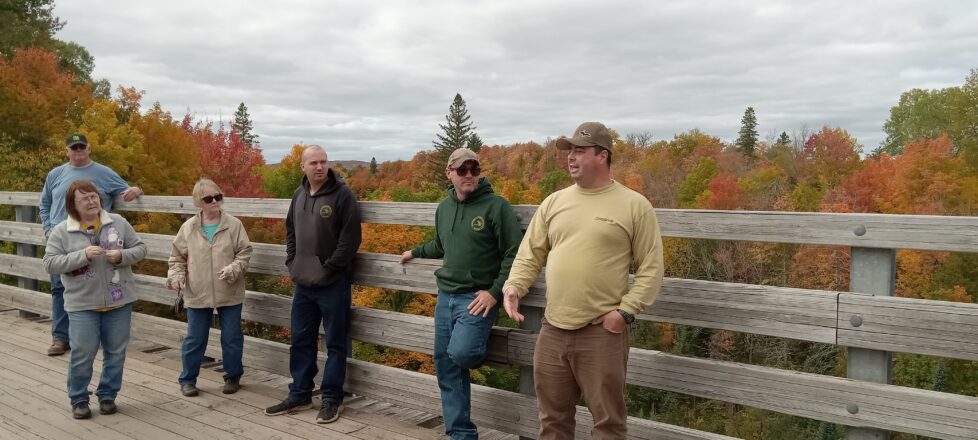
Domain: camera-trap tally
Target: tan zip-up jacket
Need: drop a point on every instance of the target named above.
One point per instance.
(196, 262)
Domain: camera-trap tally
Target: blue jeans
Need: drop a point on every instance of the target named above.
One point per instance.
(59, 318)
(313, 307)
(89, 329)
(198, 330)
(461, 341)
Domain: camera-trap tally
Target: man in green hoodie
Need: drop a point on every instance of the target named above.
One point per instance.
(477, 235)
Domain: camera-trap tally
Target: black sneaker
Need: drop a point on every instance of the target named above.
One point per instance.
(287, 407)
(81, 411)
(329, 412)
(188, 389)
(107, 407)
(231, 386)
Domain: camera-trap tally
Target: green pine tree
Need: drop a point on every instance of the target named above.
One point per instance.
(474, 143)
(748, 133)
(456, 133)
(784, 139)
(373, 166)
(242, 126)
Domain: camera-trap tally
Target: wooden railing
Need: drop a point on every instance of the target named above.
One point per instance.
(870, 325)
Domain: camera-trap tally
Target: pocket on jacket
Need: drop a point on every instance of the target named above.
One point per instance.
(306, 270)
(460, 277)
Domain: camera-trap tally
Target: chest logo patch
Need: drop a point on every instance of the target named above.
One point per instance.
(478, 223)
(326, 211)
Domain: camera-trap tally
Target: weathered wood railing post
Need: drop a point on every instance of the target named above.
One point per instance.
(872, 271)
(532, 318)
(26, 214)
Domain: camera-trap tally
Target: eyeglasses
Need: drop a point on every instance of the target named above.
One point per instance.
(465, 170)
(213, 198)
(89, 198)
(78, 147)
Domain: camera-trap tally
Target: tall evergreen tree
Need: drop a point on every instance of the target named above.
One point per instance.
(456, 133)
(474, 143)
(784, 139)
(242, 126)
(373, 166)
(748, 132)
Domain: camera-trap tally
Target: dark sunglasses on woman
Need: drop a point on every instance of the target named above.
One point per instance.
(215, 197)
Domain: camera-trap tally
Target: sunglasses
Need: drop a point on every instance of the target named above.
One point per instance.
(213, 198)
(78, 147)
(465, 170)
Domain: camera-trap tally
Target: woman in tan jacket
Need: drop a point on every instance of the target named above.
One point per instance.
(208, 263)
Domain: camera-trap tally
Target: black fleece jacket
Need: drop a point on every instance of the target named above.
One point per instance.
(322, 233)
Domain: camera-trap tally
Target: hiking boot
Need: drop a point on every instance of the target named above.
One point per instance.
(188, 389)
(287, 407)
(106, 407)
(329, 412)
(58, 348)
(231, 386)
(81, 411)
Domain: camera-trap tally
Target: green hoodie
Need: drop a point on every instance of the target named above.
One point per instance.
(477, 238)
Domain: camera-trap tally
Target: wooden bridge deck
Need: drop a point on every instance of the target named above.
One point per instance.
(34, 403)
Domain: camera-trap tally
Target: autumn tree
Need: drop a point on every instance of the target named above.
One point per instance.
(281, 180)
(747, 140)
(232, 163)
(927, 114)
(32, 24)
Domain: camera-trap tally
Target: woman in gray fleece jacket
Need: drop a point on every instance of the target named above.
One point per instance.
(94, 252)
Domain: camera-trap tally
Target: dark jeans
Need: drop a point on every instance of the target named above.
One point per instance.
(195, 344)
(461, 341)
(59, 318)
(313, 307)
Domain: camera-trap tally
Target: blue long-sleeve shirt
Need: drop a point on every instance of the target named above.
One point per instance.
(53, 211)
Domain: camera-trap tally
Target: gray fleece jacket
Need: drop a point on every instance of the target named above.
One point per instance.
(95, 284)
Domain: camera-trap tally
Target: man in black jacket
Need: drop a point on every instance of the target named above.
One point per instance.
(322, 238)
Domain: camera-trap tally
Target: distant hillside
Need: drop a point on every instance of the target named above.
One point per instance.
(349, 165)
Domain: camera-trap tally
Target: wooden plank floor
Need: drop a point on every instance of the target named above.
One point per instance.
(34, 403)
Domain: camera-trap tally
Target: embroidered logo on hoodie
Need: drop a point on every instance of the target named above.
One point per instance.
(326, 211)
(478, 223)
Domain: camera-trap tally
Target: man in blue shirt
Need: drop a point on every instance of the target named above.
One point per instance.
(80, 166)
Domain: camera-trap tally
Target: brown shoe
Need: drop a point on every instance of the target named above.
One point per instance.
(58, 348)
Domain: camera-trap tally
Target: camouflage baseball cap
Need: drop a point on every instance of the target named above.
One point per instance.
(588, 134)
(461, 155)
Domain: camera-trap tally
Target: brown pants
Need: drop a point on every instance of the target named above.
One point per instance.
(567, 362)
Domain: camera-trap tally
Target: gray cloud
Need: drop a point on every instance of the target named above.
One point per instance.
(371, 79)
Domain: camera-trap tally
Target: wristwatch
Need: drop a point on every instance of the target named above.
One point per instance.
(628, 317)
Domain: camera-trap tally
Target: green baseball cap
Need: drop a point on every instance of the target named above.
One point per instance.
(76, 138)
(588, 134)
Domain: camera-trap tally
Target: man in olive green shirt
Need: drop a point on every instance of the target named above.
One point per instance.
(589, 235)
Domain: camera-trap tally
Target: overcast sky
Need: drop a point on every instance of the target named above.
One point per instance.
(375, 78)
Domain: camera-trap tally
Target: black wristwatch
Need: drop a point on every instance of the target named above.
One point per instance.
(629, 318)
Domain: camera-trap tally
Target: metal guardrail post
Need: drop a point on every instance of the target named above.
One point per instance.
(26, 214)
(532, 318)
(873, 271)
